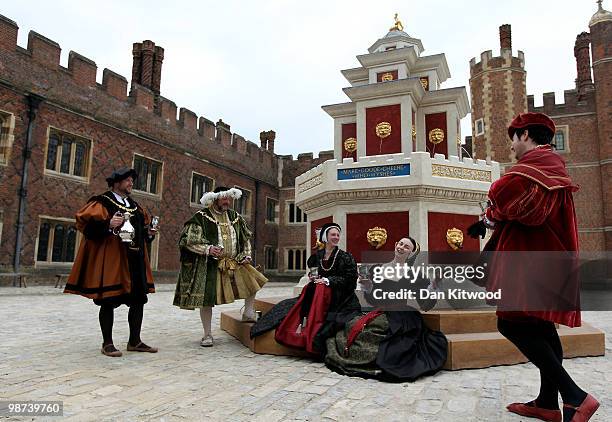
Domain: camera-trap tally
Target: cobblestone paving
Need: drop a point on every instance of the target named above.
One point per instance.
(50, 350)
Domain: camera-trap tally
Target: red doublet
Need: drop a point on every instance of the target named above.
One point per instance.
(533, 208)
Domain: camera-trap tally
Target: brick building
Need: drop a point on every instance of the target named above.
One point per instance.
(62, 133)
(583, 120)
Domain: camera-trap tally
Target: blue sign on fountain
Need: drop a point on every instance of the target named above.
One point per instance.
(374, 171)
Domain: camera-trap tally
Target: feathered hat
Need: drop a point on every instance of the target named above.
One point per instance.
(220, 192)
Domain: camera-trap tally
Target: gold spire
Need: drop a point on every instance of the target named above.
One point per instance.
(398, 25)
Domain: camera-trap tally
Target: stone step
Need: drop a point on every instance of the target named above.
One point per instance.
(231, 322)
(481, 350)
(466, 350)
(445, 320)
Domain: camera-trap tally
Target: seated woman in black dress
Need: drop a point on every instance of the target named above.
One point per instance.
(392, 345)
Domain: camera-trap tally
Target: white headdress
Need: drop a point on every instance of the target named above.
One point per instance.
(209, 197)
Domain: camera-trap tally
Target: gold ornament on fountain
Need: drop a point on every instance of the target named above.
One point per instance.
(424, 83)
(454, 238)
(377, 236)
(436, 136)
(350, 145)
(413, 132)
(386, 77)
(398, 25)
(383, 129)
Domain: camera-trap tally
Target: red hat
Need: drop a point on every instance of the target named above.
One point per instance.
(527, 119)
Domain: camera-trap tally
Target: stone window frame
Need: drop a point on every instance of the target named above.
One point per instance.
(160, 177)
(7, 136)
(212, 187)
(246, 213)
(479, 127)
(303, 258)
(270, 252)
(275, 211)
(565, 130)
(48, 262)
(304, 218)
(70, 175)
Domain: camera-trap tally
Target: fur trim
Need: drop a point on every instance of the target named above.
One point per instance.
(209, 197)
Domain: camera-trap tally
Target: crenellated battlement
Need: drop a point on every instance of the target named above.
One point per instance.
(574, 102)
(505, 60)
(37, 69)
(304, 162)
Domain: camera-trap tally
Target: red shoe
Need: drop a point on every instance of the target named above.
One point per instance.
(531, 411)
(586, 409)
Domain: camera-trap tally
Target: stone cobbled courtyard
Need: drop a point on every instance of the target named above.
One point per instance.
(50, 350)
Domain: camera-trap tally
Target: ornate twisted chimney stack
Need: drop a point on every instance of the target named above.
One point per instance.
(147, 65)
(583, 62)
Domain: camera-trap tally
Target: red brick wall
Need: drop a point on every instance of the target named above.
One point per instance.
(601, 47)
(118, 126)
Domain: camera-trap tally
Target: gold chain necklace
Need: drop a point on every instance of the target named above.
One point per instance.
(121, 207)
(218, 223)
(332, 264)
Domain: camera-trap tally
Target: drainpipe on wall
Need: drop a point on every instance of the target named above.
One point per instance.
(34, 102)
(255, 223)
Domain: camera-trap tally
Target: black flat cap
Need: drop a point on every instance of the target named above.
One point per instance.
(121, 174)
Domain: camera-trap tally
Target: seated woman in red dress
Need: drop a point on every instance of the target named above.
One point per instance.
(325, 302)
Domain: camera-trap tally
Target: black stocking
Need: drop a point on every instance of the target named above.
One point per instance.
(539, 342)
(106, 317)
(135, 320)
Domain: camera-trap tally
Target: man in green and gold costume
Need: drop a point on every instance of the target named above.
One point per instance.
(216, 260)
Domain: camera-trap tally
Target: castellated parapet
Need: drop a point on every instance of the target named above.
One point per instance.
(498, 91)
(141, 111)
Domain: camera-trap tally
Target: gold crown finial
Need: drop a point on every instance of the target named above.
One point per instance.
(398, 24)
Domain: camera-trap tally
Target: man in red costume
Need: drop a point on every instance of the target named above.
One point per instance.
(532, 210)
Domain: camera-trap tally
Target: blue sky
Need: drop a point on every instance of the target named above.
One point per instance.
(272, 64)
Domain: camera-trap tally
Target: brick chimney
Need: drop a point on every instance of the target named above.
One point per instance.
(267, 140)
(263, 139)
(583, 62)
(271, 138)
(505, 37)
(147, 64)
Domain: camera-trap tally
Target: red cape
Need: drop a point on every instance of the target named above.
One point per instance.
(535, 241)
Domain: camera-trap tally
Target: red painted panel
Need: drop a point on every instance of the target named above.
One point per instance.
(380, 75)
(392, 143)
(439, 222)
(357, 225)
(317, 224)
(432, 121)
(349, 130)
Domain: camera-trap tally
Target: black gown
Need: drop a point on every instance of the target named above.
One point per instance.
(395, 346)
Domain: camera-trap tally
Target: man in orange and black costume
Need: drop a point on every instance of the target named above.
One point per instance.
(108, 270)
